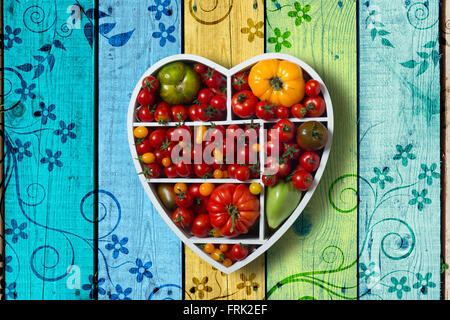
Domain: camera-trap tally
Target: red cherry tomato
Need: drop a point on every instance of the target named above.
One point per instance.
(203, 170)
(162, 113)
(150, 83)
(170, 171)
(285, 129)
(302, 180)
(152, 170)
(200, 68)
(184, 199)
(194, 189)
(202, 113)
(242, 173)
(315, 106)
(201, 225)
(239, 251)
(143, 147)
(183, 169)
(290, 150)
(192, 111)
(157, 138)
(231, 170)
(219, 101)
(284, 169)
(182, 217)
(312, 88)
(282, 112)
(205, 95)
(298, 110)
(178, 113)
(264, 110)
(213, 79)
(269, 179)
(145, 114)
(146, 98)
(309, 161)
(240, 81)
(243, 104)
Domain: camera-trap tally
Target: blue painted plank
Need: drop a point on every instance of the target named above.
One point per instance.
(399, 178)
(130, 220)
(49, 150)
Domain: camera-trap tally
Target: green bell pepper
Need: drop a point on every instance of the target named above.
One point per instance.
(281, 201)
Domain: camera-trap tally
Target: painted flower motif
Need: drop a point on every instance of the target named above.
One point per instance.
(300, 13)
(65, 131)
(280, 39)
(46, 112)
(404, 154)
(164, 34)
(26, 91)
(424, 283)
(200, 287)
(22, 149)
(10, 291)
(373, 19)
(117, 246)
(381, 177)
(11, 36)
(17, 231)
(160, 7)
(420, 199)
(399, 286)
(141, 270)
(8, 260)
(91, 285)
(52, 159)
(253, 30)
(248, 284)
(121, 294)
(367, 271)
(429, 173)
(276, 4)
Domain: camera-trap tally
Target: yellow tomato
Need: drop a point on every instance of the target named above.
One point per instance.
(209, 248)
(217, 255)
(227, 262)
(218, 174)
(166, 162)
(223, 247)
(140, 132)
(180, 187)
(214, 233)
(200, 134)
(255, 188)
(206, 189)
(278, 81)
(148, 158)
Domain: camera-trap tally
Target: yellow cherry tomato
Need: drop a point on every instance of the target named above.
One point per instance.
(214, 233)
(206, 189)
(223, 247)
(217, 255)
(166, 162)
(227, 262)
(180, 187)
(218, 174)
(148, 158)
(209, 248)
(255, 188)
(280, 82)
(200, 134)
(140, 132)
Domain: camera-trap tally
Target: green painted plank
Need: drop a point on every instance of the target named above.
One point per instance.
(49, 150)
(316, 258)
(400, 211)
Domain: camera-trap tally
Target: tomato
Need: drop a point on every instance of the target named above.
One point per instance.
(150, 83)
(205, 95)
(231, 170)
(255, 188)
(140, 132)
(203, 113)
(178, 113)
(315, 107)
(192, 111)
(246, 156)
(265, 110)
(201, 225)
(180, 187)
(227, 262)
(179, 133)
(194, 189)
(218, 174)
(302, 180)
(143, 147)
(312, 88)
(310, 161)
(200, 205)
(183, 169)
(298, 110)
(240, 81)
(157, 138)
(269, 179)
(278, 81)
(213, 79)
(223, 247)
(233, 209)
(272, 148)
(206, 189)
(243, 104)
(145, 114)
(179, 83)
(162, 113)
(285, 129)
(182, 217)
(203, 170)
(290, 150)
(217, 255)
(209, 248)
(146, 98)
(219, 101)
(200, 68)
(151, 170)
(312, 136)
(148, 158)
(284, 168)
(242, 173)
(184, 199)
(282, 112)
(167, 196)
(171, 171)
(239, 251)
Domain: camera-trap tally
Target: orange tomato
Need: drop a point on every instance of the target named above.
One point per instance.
(209, 248)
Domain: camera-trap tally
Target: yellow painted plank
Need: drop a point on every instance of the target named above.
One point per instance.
(226, 32)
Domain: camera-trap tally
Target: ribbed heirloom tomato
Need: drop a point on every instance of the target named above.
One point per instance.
(233, 209)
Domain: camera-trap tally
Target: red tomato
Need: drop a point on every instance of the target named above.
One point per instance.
(184, 199)
(298, 110)
(143, 147)
(205, 95)
(171, 171)
(201, 226)
(150, 83)
(240, 81)
(213, 78)
(233, 209)
(145, 114)
(200, 205)
(310, 161)
(146, 98)
(315, 106)
(193, 112)
(269, 179)
(286, 130)
(264, 110)
(200, 68)
(157, 138)
(231, 170)
(242, 173)
(202, 113)
(291, 150)
(178, 113)
(162, 113)
(302, 180)
(282, 112)
(194, 189)
(272, 148)
(152, 170)
(243, 104)
(203, 170)
(219, 101)
(239, 251)
(182, 217)
(284, 168)
(312, 88)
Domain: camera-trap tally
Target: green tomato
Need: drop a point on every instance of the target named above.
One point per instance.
(281, 200)
(179, 83)
(167, 196)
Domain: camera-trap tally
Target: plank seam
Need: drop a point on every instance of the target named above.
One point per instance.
(357, 140)
(2, 185)
(443, 133)
(96, 146)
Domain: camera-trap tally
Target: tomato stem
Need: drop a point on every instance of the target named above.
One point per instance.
(233, 212)
(276, 83)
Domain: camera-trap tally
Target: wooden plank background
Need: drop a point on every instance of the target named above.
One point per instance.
(445, 33)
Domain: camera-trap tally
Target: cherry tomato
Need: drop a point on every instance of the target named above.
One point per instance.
(239, 251)
(180, 187)
(243, 104)
(218, 174)
(302, 180)
(171, 171)
(298, 110)
(312, 88)
(269, 179)
(148, 158)
(227, 262)
(203, 170)
(205, 95)
(200, 68)
(184, 199)
(162, 113)
(282, 112)
(264, 110)
(143, 147)
(192, 111)
(203, 113)
(242, 173)
(240, 81)
(231, 169)
(200, 205)
(157, 138)
(272, 148)
(146, 98)
(182, 217)
(217, 255)
(201, 225)
(284, 168)
(145, 114)
(150, 83)
(209, 248)
(310, 161)
(213, 78)
(194, 189)
(140, 132)
(255, 188)
(152, 170)
(219, 101)
(183, 169)
(286, 130)
(290, 150)
(206, 189)
(315, 106)
(178, 113)
(312, 136)
(223, 247)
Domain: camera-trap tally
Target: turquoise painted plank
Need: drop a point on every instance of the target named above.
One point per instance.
(144, 237)
(399, 178)
(49, 149)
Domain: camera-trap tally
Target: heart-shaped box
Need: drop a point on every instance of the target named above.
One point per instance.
(261, 238)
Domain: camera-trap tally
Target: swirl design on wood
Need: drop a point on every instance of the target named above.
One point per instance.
(193, 10)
